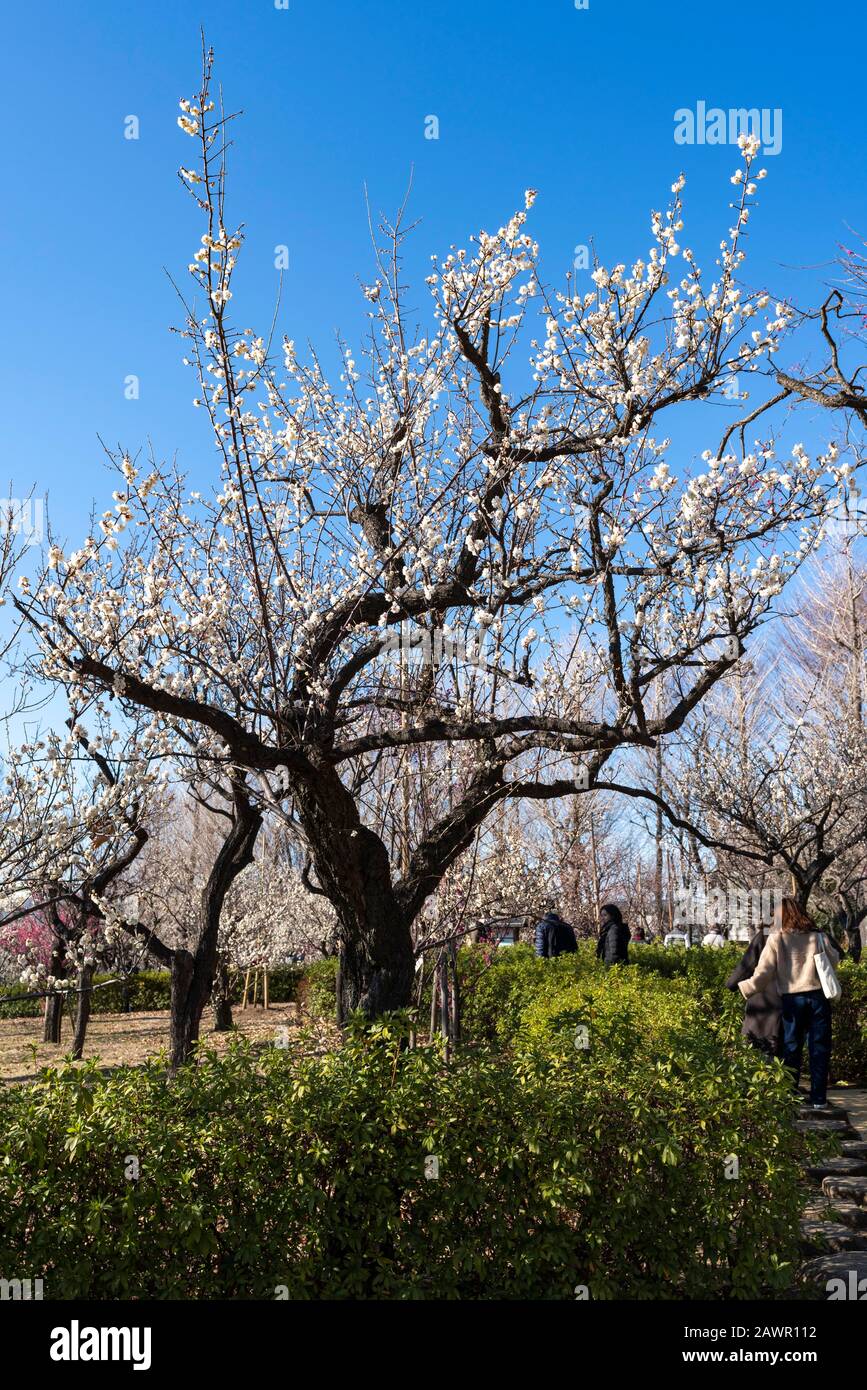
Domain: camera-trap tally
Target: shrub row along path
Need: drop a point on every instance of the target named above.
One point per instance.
(834, 1225)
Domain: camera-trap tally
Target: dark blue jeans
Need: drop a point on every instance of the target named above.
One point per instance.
(808, 1015)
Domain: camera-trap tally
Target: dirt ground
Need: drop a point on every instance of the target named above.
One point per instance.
(116, 1039)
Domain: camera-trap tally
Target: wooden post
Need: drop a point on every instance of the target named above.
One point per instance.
(434, 984)
(265, 987)
(413, 1036)
(246, 988)
(670, 900)
(658, 836)
(455, 1019)
(444, 1001)
(641, 899)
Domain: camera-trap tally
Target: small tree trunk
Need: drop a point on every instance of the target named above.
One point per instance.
(193, 975)
(184, 1025)
(660, 924)
(82, 1012)
(594, 865)
(221, 997)
(53, 1019)
(444, 993)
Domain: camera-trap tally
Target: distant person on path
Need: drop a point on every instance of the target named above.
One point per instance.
(787, 962)
(639, 936)
(763, 1019)
(554, 937)
(613, 944)
(713, 938)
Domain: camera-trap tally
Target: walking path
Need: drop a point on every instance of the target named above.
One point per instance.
(834, 1225)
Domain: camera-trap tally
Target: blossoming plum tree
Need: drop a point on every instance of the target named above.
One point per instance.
(76, 811)
(439, 486)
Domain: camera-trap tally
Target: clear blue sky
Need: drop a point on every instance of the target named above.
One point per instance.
(578, 104)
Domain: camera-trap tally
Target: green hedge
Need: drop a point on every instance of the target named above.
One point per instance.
(317, 988)
(604, 1128)
(150, 990)
(499, 988)
(849, 1049)
(278, 1173)
(13, 1006)
(706, 971)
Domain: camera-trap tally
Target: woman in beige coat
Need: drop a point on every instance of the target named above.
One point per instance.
(788, 962)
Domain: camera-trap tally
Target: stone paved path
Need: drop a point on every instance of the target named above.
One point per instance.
(853, 1100)
(834, 1225)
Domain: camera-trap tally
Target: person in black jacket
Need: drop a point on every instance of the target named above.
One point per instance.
(613, 943)
(554, 937)
(763, 1019)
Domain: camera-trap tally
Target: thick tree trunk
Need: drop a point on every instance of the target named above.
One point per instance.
(377, 964)
(375, 915)
(82, 1012)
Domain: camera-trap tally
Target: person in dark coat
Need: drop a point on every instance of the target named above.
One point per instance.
(763, 1019)
(554, 937)
(613, 944)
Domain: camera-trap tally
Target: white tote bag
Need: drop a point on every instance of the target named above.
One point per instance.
(831, 987)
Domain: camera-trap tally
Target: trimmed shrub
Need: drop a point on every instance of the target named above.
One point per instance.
(499, 986)
(280, 1174)
(317, 990)
(496, 983)
(849, 1046)
(149, 991)
(13, 1006)
(606, 1128)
